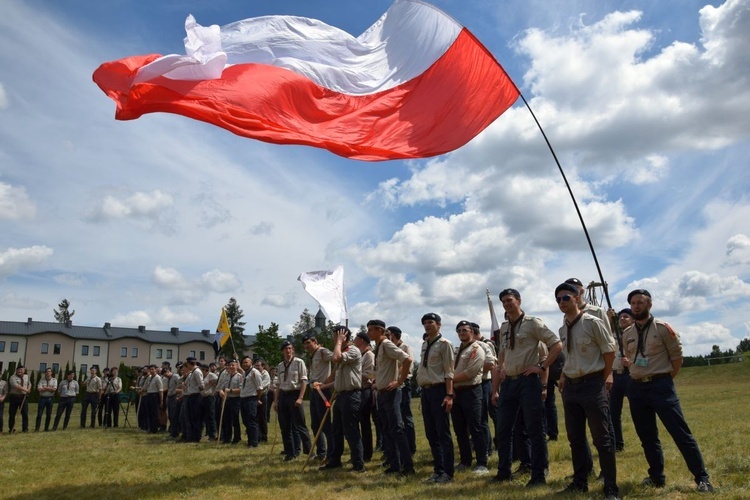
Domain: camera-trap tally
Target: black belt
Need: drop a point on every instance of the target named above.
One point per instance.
(623, 371)
(465, 387)
(350, 391)
(430, 386)
(643, 380)
(588, 376)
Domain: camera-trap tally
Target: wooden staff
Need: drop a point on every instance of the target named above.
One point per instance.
(221, 418)
(329, 405)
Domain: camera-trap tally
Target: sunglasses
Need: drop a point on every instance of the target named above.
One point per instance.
(564, 298)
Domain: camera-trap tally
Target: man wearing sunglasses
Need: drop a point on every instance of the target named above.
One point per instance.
(589, 353)
(653, 352)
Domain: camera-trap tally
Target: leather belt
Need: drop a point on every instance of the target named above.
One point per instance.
(580, 380)
(643, 380)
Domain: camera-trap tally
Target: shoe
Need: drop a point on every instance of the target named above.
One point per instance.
(289, 458)
(385, 464)
(462, 467)
(330, 466)
(481, 470)
(575, 488)
(651, 483)
(536, 482)
(407, 472)
(432, 478)
(391, 470)
(705, 487)
(522, 469)
(619, 448)
(359, 470)
(443, 479)
(499, 478)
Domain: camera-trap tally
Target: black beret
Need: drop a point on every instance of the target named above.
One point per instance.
(510, 291)
(463, 323)
(433, 316)
(190, 359)
(363, 336)
(395, 331)
(285, 344)
(376, 322)
(639, 291)
(574, 281)
(627, 311)
(308, 336)
(566, 287)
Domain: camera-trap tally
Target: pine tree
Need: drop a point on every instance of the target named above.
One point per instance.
(267, 344)
(238, 343)
(63, 314)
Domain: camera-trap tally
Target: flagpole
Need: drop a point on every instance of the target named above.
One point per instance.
(575, 203)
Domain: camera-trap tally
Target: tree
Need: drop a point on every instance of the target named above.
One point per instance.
(744, 345)
(267, 344)
(237, 328)
(63, 314)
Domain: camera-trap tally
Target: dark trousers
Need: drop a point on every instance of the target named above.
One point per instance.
(2, 412)
(230, 426)
(208, 416)
(521, 395)
(291, 423)
(365, 422)
(17, 402)
(346, 425)
(64, 405)
(173, 411)
(45, 404)
(191, 409)
(317, 411)
(100, 409)
(521, 442)
(112, 410)
(616, 398)
(408, 418)
(395, 439)
(659, 398)
(262, 422)
(467, 421)
(151, 403)
(550, 411)
(249, 411)
(91, 399)
(437, 429)
(486, 395)
(587, 402)
(142, 412)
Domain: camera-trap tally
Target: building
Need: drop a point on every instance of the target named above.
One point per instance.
(40, 345)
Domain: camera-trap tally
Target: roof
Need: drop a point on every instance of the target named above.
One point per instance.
(107, 332)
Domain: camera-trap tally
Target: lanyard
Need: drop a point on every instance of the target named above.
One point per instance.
(642, 337)
(570, 330)
(460, 350)
(512, 330)
(427, 351)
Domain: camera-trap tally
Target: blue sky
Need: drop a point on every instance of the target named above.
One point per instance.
(160, 220)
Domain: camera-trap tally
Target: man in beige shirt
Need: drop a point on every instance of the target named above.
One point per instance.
(20, 388)
(654, 354)
(320, 370)
(406, 413)
(47, 387)
(362, 342)
(290, 392)
(93, 385)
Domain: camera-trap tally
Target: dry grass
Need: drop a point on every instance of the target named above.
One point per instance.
(125, 463)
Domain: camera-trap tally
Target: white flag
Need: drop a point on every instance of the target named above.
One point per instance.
(327, 287)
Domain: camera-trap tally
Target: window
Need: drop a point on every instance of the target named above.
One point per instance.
(56, 349)
(55, 368)
(169, 353)
(123, 352)
(42, 367)
(84, 350)
(192, 354)
(2, 346)
(202, 355)
(96, 350)
(45, 348)
(85, 370)
(134, 352)
(158, 354)
(14, 347)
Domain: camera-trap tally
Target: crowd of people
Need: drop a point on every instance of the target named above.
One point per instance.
(505, 384)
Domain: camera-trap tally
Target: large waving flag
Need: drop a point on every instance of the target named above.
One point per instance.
(495, 325)
(413, 85)
(223, 332)
(327, 288)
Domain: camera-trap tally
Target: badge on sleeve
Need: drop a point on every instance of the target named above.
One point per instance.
(671, 332)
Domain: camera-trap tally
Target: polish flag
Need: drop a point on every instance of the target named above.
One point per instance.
(415, 84)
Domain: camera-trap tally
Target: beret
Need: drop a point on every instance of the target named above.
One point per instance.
(639, 291)
(574, 281)
(433, 316)
(463, 323)
(566, 287)
(510, 291)
(376, 322)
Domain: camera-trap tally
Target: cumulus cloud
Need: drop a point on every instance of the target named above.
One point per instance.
(16, 259)
(278, 300)
(160, 319)
(738, 250)
(14, 202)
(139, 205)
(166, 277)
(698, 284)
(220, 281)
(700, 338)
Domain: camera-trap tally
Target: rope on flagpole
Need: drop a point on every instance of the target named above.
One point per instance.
(575, 203)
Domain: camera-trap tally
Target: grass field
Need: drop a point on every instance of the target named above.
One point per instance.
(125, 463)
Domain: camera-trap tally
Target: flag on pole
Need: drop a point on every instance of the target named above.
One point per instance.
(327, 288)
(223, 332)
(415, 84)
(495, 325)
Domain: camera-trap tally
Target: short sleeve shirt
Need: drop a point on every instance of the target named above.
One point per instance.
(388, 363)
(291, 376)
(47, 388)
(525, 352)
(470, 359)
(439, 363)
(590, 340)
(368, 368)
(349, 370)
(320, 365)
(661, 345)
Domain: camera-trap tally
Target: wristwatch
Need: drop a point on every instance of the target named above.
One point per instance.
(449, 396)
(541, 365)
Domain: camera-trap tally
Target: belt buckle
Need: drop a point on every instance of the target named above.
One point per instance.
(647, 379)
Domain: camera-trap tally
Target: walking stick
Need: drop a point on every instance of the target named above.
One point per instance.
(320, 427)
(221, 418)
(138, 411)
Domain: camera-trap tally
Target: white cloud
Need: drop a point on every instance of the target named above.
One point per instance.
(69, 279)
(14, 301)
(16, 259)
(160, 319)
(166, 277)
(138, 205)
(14, 201)
(655, 170)
(3, 97)
(220, 281)
(738, 250)
(699, 339)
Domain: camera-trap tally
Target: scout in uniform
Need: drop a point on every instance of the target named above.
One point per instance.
(320, 370)
(252, 389)
(20, 388)
(68, 391)
(265, 383)
(47, 387)
(94, 388)
(112, 390)
(292, 383)
(362, 342)
(191, 403)
(490, 361)
(153, 399)
(230, 426)
(620, 380)
(654, 354)
(208, 400)
(406, 414)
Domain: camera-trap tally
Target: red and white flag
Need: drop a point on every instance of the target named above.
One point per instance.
(415, 84)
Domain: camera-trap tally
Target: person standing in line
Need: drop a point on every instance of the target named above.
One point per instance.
(362, 342)
(20, 388)
(490, 361)
(265, 382)
(47, 387)
(252, 389)
(435, 378)
(288, 402)
(68, 389)
(320, 370)
(589, 354)
(406, 413)
(191, 403)
(112, 389)
(208, 405)
(153, 399)
(230, 426)
(93, 385)
(654, 354)
(100, 406)
(620, 379)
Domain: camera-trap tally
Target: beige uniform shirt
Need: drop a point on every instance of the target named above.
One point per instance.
(436, 366)
(525, 352)
(489, 358)
(17, 383)
(252, 384)
(404, 347)
(469, 359)
(68, 389)
(194, 382)
(600, 313)
(320, 365)
(47, 388)
(94, 384)
(174, 382)
(590, 340)
(265, 381)
(349, 370)
(223, 381)
(234, 382)
(113, 386)
(661, 345)
(388, 362)
(209, 384)
(368, 368)
(154, 385)
(291, 376)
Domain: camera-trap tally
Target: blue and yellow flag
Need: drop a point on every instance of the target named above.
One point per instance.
(223, 333)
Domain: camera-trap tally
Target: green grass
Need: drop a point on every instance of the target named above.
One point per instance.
(125, 463)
